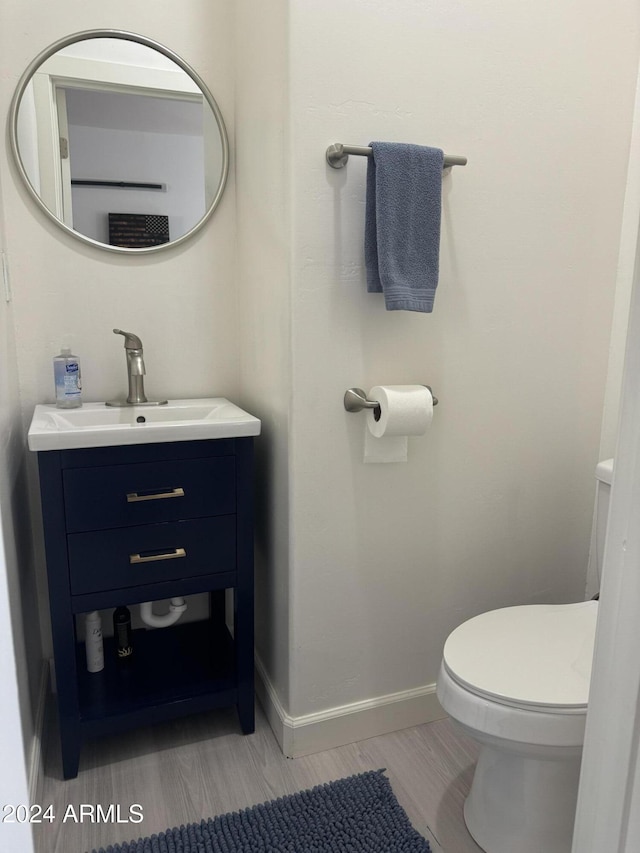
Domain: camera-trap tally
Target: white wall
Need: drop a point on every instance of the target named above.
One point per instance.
(263, 257)
(494, 506)
(20, 652)
(362, 571)
(624, 283)
(607, 814)
(173, 159)
(13, 782)
(366, 569)
(181, 302)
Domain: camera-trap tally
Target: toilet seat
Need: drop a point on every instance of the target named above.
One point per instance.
(489, 721)
(532, 657)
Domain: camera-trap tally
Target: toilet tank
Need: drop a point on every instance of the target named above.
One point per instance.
(604, 472)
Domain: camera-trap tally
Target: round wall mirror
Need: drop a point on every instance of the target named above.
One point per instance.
(119, 141)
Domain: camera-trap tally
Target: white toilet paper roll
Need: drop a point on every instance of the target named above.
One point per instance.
(404, 410)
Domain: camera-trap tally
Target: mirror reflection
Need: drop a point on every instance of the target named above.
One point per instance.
(120, 144)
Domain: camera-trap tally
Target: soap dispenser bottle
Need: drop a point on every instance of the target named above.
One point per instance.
(68, 380)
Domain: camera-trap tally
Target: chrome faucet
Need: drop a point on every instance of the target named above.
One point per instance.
(135, 373)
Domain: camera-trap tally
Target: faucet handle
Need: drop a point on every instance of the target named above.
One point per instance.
(131, 341)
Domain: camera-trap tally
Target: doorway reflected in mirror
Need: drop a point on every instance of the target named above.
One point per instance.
(107, 120)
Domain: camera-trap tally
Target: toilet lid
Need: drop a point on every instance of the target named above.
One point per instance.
(536, 654)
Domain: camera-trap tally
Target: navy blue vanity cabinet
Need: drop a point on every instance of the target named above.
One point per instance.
(128, 524)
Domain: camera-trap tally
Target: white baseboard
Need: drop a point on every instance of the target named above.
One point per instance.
(309, 733)
(35, 762)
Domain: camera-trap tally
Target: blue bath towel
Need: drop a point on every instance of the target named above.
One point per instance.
(402, 224)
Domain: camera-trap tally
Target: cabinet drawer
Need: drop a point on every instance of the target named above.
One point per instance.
(123, 495)
(133, 556)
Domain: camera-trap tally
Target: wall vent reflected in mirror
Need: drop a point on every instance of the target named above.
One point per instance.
(107, 120)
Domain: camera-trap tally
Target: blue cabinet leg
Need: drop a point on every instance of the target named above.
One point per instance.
(246, 710)
(70, 742)
(244, 594)
(244, 657)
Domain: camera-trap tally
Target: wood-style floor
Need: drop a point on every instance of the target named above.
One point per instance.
(201, 766)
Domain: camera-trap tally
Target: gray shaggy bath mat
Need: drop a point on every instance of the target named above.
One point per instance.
(355, 815)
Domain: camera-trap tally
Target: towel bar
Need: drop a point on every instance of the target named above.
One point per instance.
(355, 400)
(338, 155)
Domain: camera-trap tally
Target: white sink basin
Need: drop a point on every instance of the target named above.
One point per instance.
(97, 425)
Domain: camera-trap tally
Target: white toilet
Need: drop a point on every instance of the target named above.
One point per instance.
(517, 681)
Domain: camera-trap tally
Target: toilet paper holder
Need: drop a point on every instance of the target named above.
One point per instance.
(355, 400)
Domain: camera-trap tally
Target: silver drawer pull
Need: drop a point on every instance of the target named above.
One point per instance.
(167, 555)
(133, 497)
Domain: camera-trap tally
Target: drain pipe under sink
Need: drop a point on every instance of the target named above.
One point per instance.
(176, 609)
